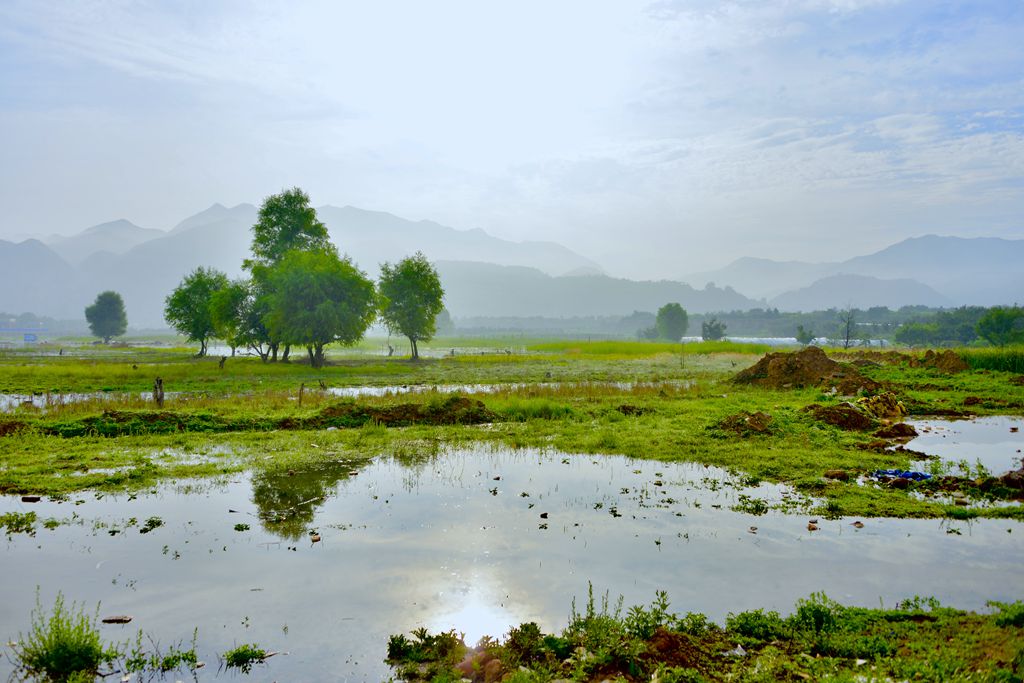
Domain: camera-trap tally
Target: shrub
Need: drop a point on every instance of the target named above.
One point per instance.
(62, 646)
(757, 625)
(244, 656)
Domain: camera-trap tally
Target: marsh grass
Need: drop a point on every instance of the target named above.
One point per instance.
(64, 645)
(1003, 359)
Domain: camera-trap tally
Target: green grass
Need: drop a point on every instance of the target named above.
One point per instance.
(1005, 359)
(821, 640)
(629, 349)
(62, 646)
(244, 657)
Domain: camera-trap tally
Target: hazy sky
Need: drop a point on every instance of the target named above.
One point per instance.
(657, 138)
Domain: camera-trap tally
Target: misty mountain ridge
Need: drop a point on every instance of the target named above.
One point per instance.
(858, 291)
(115, 237)
(962, 271)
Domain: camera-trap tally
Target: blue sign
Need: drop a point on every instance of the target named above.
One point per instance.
(30, 337)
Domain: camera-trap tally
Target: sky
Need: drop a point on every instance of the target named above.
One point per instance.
(657, 138)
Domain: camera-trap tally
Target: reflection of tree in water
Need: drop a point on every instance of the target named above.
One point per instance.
(288, 499)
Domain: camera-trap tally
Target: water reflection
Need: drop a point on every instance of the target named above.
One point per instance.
(993, 442)
(471, 540)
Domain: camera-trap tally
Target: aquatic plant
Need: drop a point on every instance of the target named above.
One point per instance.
(64, 645)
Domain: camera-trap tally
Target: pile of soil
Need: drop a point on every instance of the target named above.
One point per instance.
(455, 410)
(745, 424)
(900, 430)
(844, 415)
(809, 367)
(1018, 380)
(945, 361)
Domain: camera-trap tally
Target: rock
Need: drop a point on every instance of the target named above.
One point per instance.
(117, 619)
(838, 475)
(899, 430)
(30, 499)
(543, 515)
(811, 526)
(858, 525)
(315, 538)
(899, 483)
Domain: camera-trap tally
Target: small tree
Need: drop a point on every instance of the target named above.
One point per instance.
(106, 316)
(187, 309)
(848, 327)
(803, 336)
(1002, 325)
(411, 299)
(672, 322)
(317, 298)
(712, 330)
(227, 313)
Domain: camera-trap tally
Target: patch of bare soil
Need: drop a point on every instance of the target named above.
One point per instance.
(809, 367)
(8, 427)
(455, 410)
(843, 415)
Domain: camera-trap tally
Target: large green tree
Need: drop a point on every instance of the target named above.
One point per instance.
(411, 299)
(712, 329)
(286, 222)
(106, 316)
(671, 322)
(316, 298)
(227, 313)
(187, 309)
(1002, 325)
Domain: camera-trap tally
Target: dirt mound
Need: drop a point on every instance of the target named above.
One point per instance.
(1018, 380)
(844, 415)
(944, 361)
(8, 427)
(454, 410)
(745, 424)
(900, 430)
(809, 367)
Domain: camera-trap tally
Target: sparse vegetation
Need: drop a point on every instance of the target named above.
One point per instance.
(64, 645)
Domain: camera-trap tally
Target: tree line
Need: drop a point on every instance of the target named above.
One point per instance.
(299, 292)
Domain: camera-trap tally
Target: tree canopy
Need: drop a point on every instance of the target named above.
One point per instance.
(187, 309)
(411, 299)
(672, 322)
(316, 298)
(712, 330)
(286, 222)
(1002, 325)
(106, 316)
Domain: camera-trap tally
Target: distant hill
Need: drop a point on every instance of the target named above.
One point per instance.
(485, 289)
(37, 280)
(982, 271)
(115, 237)
(858, 291)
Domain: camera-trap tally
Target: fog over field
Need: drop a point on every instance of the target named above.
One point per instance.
(656, 139)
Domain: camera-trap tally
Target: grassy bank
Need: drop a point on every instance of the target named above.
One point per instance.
(681, 409)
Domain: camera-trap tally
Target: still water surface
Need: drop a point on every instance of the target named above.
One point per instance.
(460, 541)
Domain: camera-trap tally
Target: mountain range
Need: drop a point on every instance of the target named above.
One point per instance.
(930, 270)
(487, 276)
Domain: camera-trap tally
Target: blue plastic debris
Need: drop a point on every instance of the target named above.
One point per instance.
(901, 474)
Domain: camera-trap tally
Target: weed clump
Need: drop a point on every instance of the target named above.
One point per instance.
(62, 646)
(244, 657)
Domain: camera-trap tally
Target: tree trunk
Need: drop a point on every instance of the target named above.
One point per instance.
(415, 349)
(287, 352)
(312, 358)
(273, 352)
(202, 348)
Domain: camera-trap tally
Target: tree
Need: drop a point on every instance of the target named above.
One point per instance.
(286, 222)
(316, 298)
(106, 316)
(1002, 325)
(803, 336)
(672, 322)
(712, 330)
(411, 299)
(847, 327)
(188, 308)
(227, 313)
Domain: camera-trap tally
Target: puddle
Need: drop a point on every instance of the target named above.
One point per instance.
(453, 542)
(357, 391)
(11, 402)
(987, 441)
